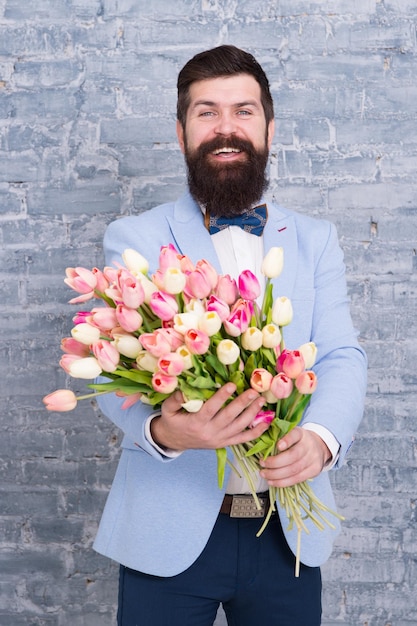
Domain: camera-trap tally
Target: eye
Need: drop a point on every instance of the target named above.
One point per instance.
(244, 113)
(206, 114)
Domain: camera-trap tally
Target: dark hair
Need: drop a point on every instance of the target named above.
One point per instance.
(216, 63)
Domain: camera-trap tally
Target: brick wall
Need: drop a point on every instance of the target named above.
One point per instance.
(87, 133)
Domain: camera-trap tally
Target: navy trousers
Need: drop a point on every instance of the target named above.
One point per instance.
(253, 578)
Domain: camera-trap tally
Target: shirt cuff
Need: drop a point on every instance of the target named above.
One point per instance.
(171, 454)
(329, 439)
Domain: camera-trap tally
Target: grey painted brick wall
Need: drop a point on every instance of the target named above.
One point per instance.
(87, 116)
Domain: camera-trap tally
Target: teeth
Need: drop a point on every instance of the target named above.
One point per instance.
(228, 150)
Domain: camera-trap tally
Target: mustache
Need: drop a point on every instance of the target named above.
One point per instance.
(218, 143)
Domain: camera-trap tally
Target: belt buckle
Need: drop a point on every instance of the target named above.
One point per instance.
(244, 506)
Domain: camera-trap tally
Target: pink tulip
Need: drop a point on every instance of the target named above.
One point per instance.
(163, 383)
(197, 341)
(306, 382)
(263, 417)
(174, 338)
(103, 317)
(239, 318)
(163, 305)
(157, 343)
(168, 257)
(131, 399)
(107, 355)
(80, 280)
(281, 386)
(197, 284)
(226, 289)
(249, 287)
(102, 282)
(158, 279)
(81, 317)
(219, 306)
(131, 290)
(74, 347)
(171, 364)
(261, 379)
(129, 319)
(60, 400)
(291, 362)
(186, 265)
(209, 272)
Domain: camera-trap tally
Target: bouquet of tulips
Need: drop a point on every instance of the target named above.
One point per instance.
(188, 328)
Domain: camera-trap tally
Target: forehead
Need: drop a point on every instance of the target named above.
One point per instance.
(226, 91)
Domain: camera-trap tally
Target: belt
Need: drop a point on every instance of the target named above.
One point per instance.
(244, 505)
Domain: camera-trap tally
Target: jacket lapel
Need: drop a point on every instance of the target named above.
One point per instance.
(280, 231)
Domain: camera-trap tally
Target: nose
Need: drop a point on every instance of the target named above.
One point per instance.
(226, 124)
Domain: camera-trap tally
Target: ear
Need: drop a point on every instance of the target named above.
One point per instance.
(180, 135)
(271, 132)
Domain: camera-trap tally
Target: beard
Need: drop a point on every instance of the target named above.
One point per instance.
(227, 189)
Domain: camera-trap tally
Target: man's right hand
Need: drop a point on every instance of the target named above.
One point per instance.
(213, 426)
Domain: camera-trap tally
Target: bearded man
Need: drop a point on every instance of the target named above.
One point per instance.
(166, 522)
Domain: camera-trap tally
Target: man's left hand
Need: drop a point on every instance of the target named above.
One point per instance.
(302, 455)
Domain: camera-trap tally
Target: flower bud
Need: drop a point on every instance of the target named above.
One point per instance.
(197, 341)
(227, 352)
(174, 280)
(291, 362)
(135, 262)
(107, 355)
(306, 382)
(249, 287)
(192, 406)
(210, 323)
(85, 368)
(273, 263)
(252, 339)
(282, 312)
(127, 345)
(281, 386)
(171, 364)
(60, 400)
(146, 361)
(163, 383)
(260, 379)
(129, 319)
(309, 352)
(85, 333)
(271, 336)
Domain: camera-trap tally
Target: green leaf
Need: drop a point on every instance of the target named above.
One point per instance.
(221, 465)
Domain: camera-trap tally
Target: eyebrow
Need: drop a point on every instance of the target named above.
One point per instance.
(237, 105)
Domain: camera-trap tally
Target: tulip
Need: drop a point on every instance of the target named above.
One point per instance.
(67, 360)
(146, 361)
(260, 379)
(127, 345)
(171, 364)
(271, 336)
(174, 280)
(252, 339)
(131, 290)
(291, 362)
(72, 346)
(273, 263)
(103, 318)
(163, 383)
(60, 400)
(198, 284)
(210, 323)
(156, 343)
(107, 355)
(148, 287)
(158, 280)
(227, 352)
(186, 265)
(309, 352)
(220, 306)
(306, 382)
(85, 333)
(185, 321)
(135, 262)
(80, 317)
(197, 341)
(249, 287)
(131, 399)
(174, 338)
(185, 354)
(168, 257)
(239, 318)
(281, 386)
(263, 417)
(209, 272)
(84, 368)
(282, 312)
(196, 306)
(81, 280)
(226, 289)
(102, 282)
(163, 305)
(129, 319)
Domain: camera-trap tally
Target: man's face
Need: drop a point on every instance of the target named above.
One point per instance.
(226, 143)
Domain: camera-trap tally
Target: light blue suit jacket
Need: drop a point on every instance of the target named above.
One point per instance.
(160, 511)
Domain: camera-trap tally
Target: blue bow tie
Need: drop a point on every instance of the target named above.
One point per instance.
(252, 221)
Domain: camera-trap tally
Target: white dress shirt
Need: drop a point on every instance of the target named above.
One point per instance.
(238, 250)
